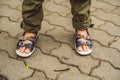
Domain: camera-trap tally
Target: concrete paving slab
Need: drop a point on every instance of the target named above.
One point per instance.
(57, 60)
(13, 69)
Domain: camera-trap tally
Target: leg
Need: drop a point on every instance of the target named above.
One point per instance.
(81, 14)
(32, 17)
(32, 14)
(81, 19)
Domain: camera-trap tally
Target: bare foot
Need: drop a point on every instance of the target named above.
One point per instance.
(84, 47)
(24, 49)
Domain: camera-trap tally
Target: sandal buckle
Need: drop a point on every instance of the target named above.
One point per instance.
(21, 43)
(23, 38)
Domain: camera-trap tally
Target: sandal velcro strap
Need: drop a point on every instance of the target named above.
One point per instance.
(78, 36)
(80, 43)
(27, 45)
(27, 38)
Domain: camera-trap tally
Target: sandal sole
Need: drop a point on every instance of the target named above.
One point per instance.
(24, 54)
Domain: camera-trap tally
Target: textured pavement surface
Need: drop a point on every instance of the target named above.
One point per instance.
(54, 57)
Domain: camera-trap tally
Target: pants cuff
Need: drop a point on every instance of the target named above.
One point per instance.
(81, 25)
(28, 28)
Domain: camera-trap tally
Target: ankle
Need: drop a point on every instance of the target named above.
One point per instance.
(28, 34)
(84, 32)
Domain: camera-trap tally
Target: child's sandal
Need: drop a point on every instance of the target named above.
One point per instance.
(80, 43)
(30, 46)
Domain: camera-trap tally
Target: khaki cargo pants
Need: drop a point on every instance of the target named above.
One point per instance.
(32, 14)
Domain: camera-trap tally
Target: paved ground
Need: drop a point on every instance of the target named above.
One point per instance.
(55, 58)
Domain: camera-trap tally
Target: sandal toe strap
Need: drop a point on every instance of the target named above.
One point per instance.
(80, 43)
(30, 46)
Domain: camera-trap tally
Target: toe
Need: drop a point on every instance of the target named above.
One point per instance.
(27, 51)
(80, 48)
(20, 49)
(87, 48)
(23, 49)
(84, 48)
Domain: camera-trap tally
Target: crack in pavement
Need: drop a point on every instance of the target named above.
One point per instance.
(107, 3)
(10, 6)
(100, 25)
(106, 20)
(105, 32)
(61, 4)
(1, 31)
(105, 45)
(61, 60)
(57, 40)
(116, 9)
(106, 11)
(65, 63)
(38, 70)
(95, 68)
(61, 42)
(57, 25)
(56, 13)
(11, 20)
(107, 61)
(30, 75)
